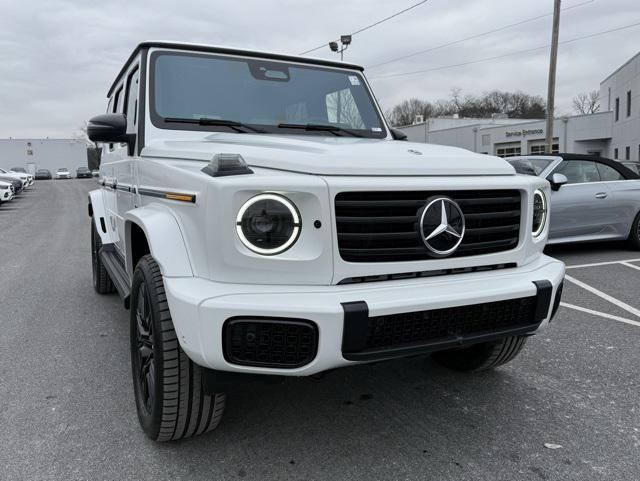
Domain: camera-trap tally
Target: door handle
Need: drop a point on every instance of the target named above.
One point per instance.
(601, 195)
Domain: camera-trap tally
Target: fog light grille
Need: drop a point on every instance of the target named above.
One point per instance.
(281, 343)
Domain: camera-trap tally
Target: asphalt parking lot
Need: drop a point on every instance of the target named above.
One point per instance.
(67, 410)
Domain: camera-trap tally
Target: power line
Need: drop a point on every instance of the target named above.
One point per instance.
(510, 54)
(455, 42)
(369, 26)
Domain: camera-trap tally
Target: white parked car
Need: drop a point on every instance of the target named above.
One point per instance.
(6, 192)
(260, 219)
(24, 178)
(63, 173)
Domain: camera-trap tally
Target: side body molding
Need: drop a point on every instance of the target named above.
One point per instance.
(98, 211)
(164, 238)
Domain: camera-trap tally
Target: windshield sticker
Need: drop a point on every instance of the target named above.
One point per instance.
(354, 80)
(376, 129)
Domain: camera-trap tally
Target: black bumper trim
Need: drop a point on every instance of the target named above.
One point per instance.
(356, 326)
(543, 303)
(407, 350)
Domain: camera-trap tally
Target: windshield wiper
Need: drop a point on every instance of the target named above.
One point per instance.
(334, 129)
(232, 124)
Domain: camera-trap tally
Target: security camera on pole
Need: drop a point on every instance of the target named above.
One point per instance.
(345, 40)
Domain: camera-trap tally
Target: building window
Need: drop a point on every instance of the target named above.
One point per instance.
(617, 108)
(486, 139)
(615, 154)
(508, 151)
(629, 103)
(627, 153)
(541, 149)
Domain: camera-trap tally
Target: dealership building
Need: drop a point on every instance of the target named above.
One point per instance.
(50, 154)
(614, 132)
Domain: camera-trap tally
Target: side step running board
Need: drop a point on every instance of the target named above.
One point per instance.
(117, 272)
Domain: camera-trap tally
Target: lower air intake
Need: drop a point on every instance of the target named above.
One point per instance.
(280, 343)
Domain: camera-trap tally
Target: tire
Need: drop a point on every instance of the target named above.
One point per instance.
(170, 398)
(481, 357)
(634, 234)
(101, 280)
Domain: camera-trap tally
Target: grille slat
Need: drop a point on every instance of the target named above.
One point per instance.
(383, 226)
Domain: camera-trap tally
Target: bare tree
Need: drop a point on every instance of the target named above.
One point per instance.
(587, 102)
(406, 111)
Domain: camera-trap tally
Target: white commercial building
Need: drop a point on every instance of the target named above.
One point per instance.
(51, 154)
(614, 132)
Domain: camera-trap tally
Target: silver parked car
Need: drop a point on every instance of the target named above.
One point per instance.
(592, 198)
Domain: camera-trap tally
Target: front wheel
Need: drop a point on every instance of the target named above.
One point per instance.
(170, 398)
(481, 357)
(634, 234)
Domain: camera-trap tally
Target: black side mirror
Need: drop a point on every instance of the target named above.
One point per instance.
(398, 134)
(110, 128)
(557, 180)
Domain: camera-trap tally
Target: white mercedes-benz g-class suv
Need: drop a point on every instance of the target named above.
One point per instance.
(260, 219)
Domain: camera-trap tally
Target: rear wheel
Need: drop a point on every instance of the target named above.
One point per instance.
(481, 357)
(101, 280)
(634, 235)
(170, 398)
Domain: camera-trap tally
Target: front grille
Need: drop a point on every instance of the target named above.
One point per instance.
(449, 323)
(436, 273)
(383, 226)
(279, 343)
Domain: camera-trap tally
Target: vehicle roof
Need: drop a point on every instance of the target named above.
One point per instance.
(628, 173)
(193, 47)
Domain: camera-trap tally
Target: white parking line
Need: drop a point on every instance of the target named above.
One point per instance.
(633, 266)
(606, 297)
(601, 314)
(597, 264)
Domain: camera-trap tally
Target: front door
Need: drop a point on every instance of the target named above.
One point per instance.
(584, 206)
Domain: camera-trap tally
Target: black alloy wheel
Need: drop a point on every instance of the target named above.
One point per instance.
(144, 361)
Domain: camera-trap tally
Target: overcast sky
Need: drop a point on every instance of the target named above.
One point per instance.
(58, 57)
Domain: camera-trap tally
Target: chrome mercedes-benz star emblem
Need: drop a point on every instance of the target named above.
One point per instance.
(441, 226)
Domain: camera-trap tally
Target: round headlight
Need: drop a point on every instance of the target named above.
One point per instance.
(268, 224)
(539, 212)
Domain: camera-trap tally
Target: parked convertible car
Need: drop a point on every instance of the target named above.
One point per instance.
(6, 191)
(83, 173)
(63, 173)
(43, 174)
(592, 198)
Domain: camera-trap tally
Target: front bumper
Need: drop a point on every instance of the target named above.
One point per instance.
(200, 308)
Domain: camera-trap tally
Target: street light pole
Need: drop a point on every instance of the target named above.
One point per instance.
(345, 41)
(551, 85)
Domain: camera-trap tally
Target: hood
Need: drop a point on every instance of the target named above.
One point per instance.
(322, 155)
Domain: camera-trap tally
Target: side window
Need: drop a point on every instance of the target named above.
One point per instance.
(579, 171)
(131, 110)
(608, 174)
(117, 101)
(116, 106)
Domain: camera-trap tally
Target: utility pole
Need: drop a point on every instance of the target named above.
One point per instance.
(551, 85)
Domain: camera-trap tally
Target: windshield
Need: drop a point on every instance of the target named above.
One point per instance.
(262, 95)
(530, 166)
